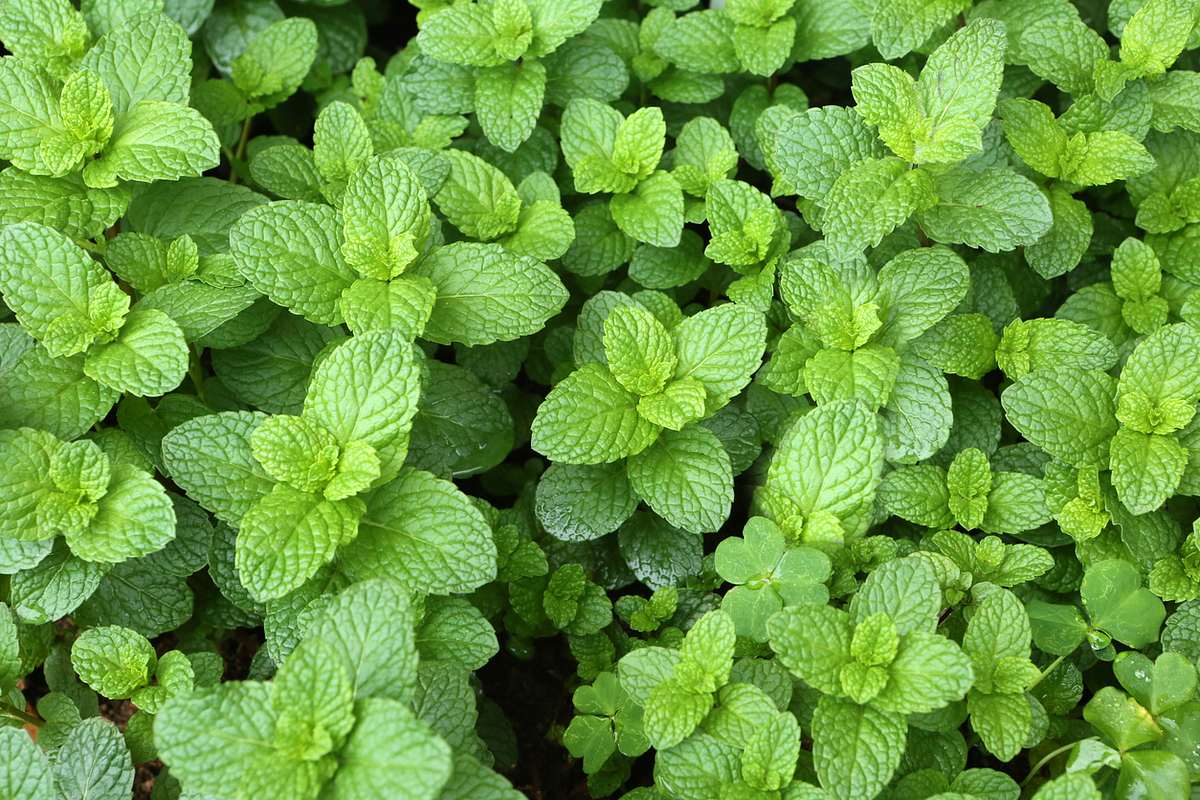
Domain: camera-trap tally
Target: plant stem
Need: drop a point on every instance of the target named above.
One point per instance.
(196, 373)
(9, 710)
(1046, 759)
(1053, 666)
(237, 155)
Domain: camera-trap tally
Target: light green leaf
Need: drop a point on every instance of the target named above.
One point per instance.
(133, 518)
(589, 418)
(843, 735)
(285, 537)
(149, 357)
(486, 294)
(291, 252)
(366, 390)
(210, 458)
(994, 209)
(686, 478)
(114, 661)
(830, 460)
(1114, 598)
(155, 141)
(390, 753)
(423, 532)
(508, 100)
(24, 769)
(147, 58)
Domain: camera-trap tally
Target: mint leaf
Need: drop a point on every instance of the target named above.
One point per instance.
(686, 478)
(843, 730)
(26, 771)
(485, 294)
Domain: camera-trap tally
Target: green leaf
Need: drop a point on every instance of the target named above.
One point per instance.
(49, 284)
(26, 772)
(1160, 367)
(999, 629)
(1152, 774)
(149, 357)
(276, 60)
(1156, 34)
(591, 739)
(313, 700)
(341, 146)
(1146, 468)
(372, 623)
(1062, 247)
(1072, 786)
(94, 762)
(385, 218)
(25, 483)
(583, 502)
(638, 349)
(114, 661)
(52, 394)
(508, 100)
(155, 141)
(463, 35)
(1120, 719)
(295, 451)
(720, 347)
(824, 31)
(403, 305)
(900, 26)
(830, 460)
(672, 713)
(456, 632)
(1003, 721)
(291, 252)
(478, 198)
(1159, 685)
(843, 733)
(390, 752)
(219, 736)
(133, 518)
(1078, 431)
(940, 118)
(814, 148)
(866, 374)
(53, 34)
(1064, 51)
(486, 294)
(55, 587)
(1046, 344)
(994, 209)
(285, 537)
(870, 200)
(211, 459)
(917, 289)
(814, 643)
(700, 42)
(589, 418)
(928, 672)
(905, 590)
(366, 390)
(769, 759)
(686, 478)
(653, 212)
(423, 532)
(148, 58)
(1115, 601)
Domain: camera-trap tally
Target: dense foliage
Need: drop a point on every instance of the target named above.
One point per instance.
(488, 399)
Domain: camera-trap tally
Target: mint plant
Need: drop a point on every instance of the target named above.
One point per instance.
(490, 399)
